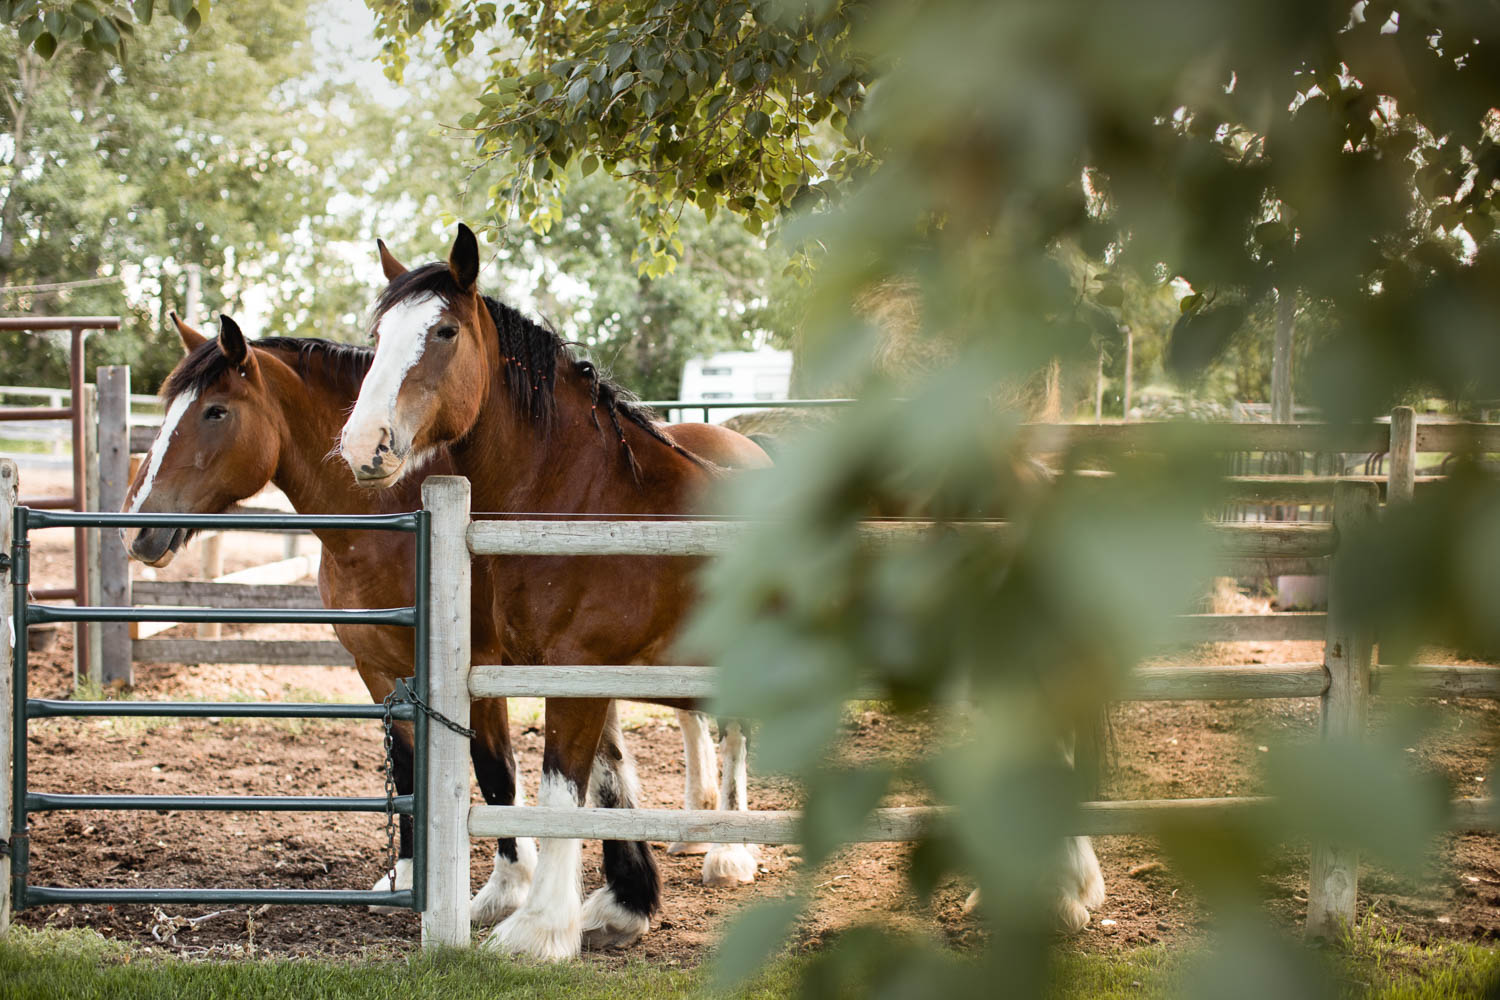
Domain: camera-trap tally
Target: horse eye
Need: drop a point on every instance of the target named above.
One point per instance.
(446, 332)
(215, 413)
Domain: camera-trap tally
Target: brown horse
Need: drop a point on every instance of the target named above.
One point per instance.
(240, 416)
(537, 430)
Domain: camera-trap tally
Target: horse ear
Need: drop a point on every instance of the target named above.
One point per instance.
(463, 259)
(232, 341)
(392, 267)
(191, 339)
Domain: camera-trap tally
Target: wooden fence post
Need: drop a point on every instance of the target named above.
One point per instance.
(90, 670)
(211, 566)
(1402, 483)
(1347, 654)
(445, 921)
(114, 482)
(8, 694)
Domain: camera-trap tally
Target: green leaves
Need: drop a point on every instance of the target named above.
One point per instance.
(751, 938)
(757, 124)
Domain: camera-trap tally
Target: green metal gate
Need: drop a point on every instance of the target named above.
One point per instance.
(25, 708)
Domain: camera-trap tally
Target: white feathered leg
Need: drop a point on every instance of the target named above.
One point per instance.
(548, 924)
(701, 784)
(732, 864)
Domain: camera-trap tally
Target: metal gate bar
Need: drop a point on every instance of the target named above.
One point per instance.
(24, 709)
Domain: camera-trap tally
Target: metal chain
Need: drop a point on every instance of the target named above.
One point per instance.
(403, 695)
(390, 789)
(411, 697)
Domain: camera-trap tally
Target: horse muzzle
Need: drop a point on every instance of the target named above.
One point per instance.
(156, 546)
(375, 467)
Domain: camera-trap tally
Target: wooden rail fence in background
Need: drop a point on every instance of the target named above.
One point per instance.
(1343, 682)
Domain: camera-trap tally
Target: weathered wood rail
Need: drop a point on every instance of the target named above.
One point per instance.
(1343, 681)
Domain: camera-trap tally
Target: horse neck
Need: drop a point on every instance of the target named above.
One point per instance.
(571, 466)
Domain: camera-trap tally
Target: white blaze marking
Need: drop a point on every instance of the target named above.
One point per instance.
(401, 337)
(161, 444)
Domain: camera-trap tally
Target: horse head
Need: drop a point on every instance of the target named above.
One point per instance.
(216, 445)
(434, 348)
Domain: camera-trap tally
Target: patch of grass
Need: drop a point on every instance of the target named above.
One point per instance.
(1379, 962)
(80, 965)
(1374, 963)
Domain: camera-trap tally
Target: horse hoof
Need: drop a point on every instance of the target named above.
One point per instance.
(680, 847)
(729, 865)
(506, 890)
(534, 935)
(403, 881)
(607, 924)
(1072, 916)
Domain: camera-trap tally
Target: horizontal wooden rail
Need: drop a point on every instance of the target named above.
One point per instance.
(1482, 438)
(1220, 437)
(703, 538)
(1185, 683)
(171, 593)
(1159, 436)
(1098, 819)
(1274, 540)
(280, 652)
(1252, 628)
(1283, 680)
(1225, 683)
(708, 826)
(1437, 681)
(561, 681)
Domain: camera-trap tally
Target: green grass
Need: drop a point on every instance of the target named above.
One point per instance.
(79, 965)
(1375, 964)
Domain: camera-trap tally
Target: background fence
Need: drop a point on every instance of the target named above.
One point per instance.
(1344, 681)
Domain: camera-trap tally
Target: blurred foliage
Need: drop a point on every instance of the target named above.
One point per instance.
(722, 105)
(1343, 153)
(236, 151)
(191, 152)
(47, 26)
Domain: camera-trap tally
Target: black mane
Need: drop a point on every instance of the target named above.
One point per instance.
(531, 354)
(346, 363)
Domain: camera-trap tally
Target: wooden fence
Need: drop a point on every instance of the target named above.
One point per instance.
(1343, 682)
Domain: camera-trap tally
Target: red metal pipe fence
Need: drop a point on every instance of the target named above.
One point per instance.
(78, 327)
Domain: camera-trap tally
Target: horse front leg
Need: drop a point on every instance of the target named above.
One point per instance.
(701, 784)
(732, 864)
(515, 857)
(548, 924)
(618, 913)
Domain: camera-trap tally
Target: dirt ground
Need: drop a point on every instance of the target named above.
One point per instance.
(1164, 749)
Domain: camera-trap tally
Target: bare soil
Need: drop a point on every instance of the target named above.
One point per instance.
(1171, 749)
